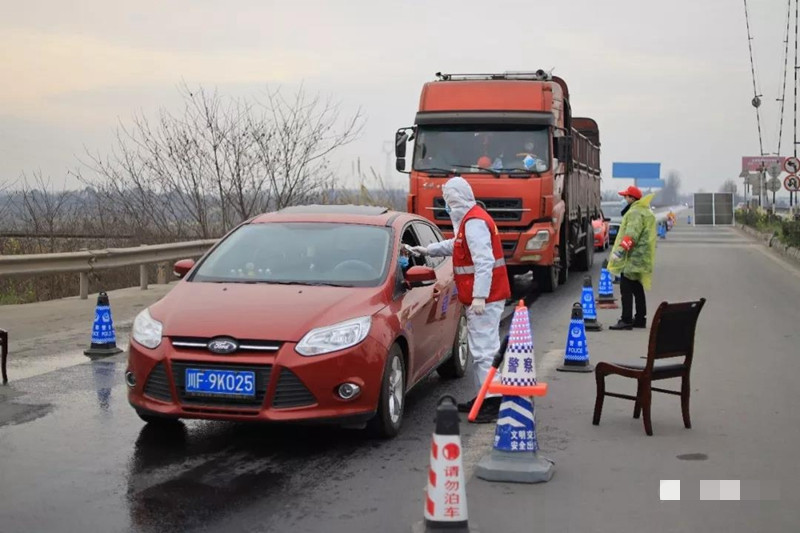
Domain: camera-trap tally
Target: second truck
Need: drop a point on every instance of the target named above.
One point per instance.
(532, 165)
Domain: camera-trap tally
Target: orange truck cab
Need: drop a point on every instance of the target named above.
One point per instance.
(532, 165)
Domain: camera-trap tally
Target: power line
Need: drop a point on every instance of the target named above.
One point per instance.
(785, 72)
(756, 97)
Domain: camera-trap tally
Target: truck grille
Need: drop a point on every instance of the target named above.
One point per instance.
(262, 373)
(501, 209)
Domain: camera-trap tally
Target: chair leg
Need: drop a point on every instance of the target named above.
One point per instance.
(685, 393)
(601, 393)
(647, 396)
(637, 407)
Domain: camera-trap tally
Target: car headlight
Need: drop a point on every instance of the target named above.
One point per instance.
(538, 241)
(336, 337)
(147, 330)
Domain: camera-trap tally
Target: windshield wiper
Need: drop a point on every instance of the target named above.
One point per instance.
(492, 171)
(307, 283)
(434, 171)
(521, 171)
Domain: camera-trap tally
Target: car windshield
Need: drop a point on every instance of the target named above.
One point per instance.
(336, 254)
(471, 149)
(612, 209)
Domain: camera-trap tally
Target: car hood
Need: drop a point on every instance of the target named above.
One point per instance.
(260, 311)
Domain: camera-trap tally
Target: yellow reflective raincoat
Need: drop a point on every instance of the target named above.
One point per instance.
(639, 224)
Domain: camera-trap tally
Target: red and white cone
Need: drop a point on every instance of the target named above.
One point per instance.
(446, 496)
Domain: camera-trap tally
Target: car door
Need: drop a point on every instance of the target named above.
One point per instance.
(436, 329)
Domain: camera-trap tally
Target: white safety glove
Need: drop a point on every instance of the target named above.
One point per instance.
(478, 306)
(419, 250)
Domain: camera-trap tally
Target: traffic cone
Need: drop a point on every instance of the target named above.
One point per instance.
(589, 310)
(104, 341)
(514, 456)
(576, 352)
(662, 231)
(446, 495)
(605, 289)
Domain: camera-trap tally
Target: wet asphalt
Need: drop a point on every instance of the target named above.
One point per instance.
(75, 457)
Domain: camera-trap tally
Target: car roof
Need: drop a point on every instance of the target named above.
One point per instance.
(345, 214)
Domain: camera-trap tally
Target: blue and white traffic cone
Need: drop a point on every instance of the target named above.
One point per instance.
(605, 289)
(589, 309)
(662, 231)
(104, 373)
(576, 352)
(104, 340)
(514, 455)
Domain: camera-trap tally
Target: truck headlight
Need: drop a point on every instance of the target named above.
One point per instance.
(147, 330)
(538, 241)
(598, 230)
(336, 337)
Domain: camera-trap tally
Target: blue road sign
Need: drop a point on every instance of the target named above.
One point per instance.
(649, 171)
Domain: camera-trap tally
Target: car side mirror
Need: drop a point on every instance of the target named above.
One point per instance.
(606, 219)
(420, 276)
(182, 268)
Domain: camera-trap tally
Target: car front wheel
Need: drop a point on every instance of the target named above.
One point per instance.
(387, 421)
(456, 364)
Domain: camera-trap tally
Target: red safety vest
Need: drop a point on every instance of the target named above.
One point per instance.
(464, 268)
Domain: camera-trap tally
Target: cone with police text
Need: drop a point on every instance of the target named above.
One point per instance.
(514, 456)
(605, 289)
(446, 495)
(104, 340)
(589, 309)
(576, 351)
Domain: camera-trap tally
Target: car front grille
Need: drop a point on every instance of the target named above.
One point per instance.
(262, 373)
(201, 343)
(157, 385)
(501, 209)
(291, 392)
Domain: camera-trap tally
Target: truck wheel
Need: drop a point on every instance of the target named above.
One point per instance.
(585, 259)
(563, 254)
(546, 277)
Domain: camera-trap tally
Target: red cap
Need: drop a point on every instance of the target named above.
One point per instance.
(632, 191)
(484, 162)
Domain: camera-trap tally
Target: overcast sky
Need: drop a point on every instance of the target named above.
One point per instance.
(666, 81)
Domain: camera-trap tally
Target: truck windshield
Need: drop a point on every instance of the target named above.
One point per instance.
(481, 149)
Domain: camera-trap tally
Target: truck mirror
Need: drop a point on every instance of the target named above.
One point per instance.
(400, 140)
(400, 164)
(562, 148)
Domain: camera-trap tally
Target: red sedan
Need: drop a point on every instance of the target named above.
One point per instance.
(601, 236)
(303, 314)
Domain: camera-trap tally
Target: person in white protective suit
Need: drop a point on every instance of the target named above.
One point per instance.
(481, 281)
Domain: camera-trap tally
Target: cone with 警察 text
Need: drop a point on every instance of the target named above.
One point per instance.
(514, 456)
(576, 351)
(104, 340)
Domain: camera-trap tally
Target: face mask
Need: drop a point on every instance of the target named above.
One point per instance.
(403, 261)
(529, 147)
(447, 208)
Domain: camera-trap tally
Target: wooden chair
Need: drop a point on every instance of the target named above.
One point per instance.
(671, 335)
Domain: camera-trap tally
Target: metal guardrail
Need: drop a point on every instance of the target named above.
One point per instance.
(86, 261)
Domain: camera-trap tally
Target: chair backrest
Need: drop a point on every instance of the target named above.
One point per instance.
(672, 331)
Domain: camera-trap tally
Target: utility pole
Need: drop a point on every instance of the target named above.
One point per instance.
(791, 194)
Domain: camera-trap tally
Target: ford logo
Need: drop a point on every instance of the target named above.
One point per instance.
(223, 346)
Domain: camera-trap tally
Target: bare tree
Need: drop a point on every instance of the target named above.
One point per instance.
(729, 186)
(219, 162)
(42, 210)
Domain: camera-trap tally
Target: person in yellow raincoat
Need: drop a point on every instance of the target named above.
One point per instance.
(632, 257)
